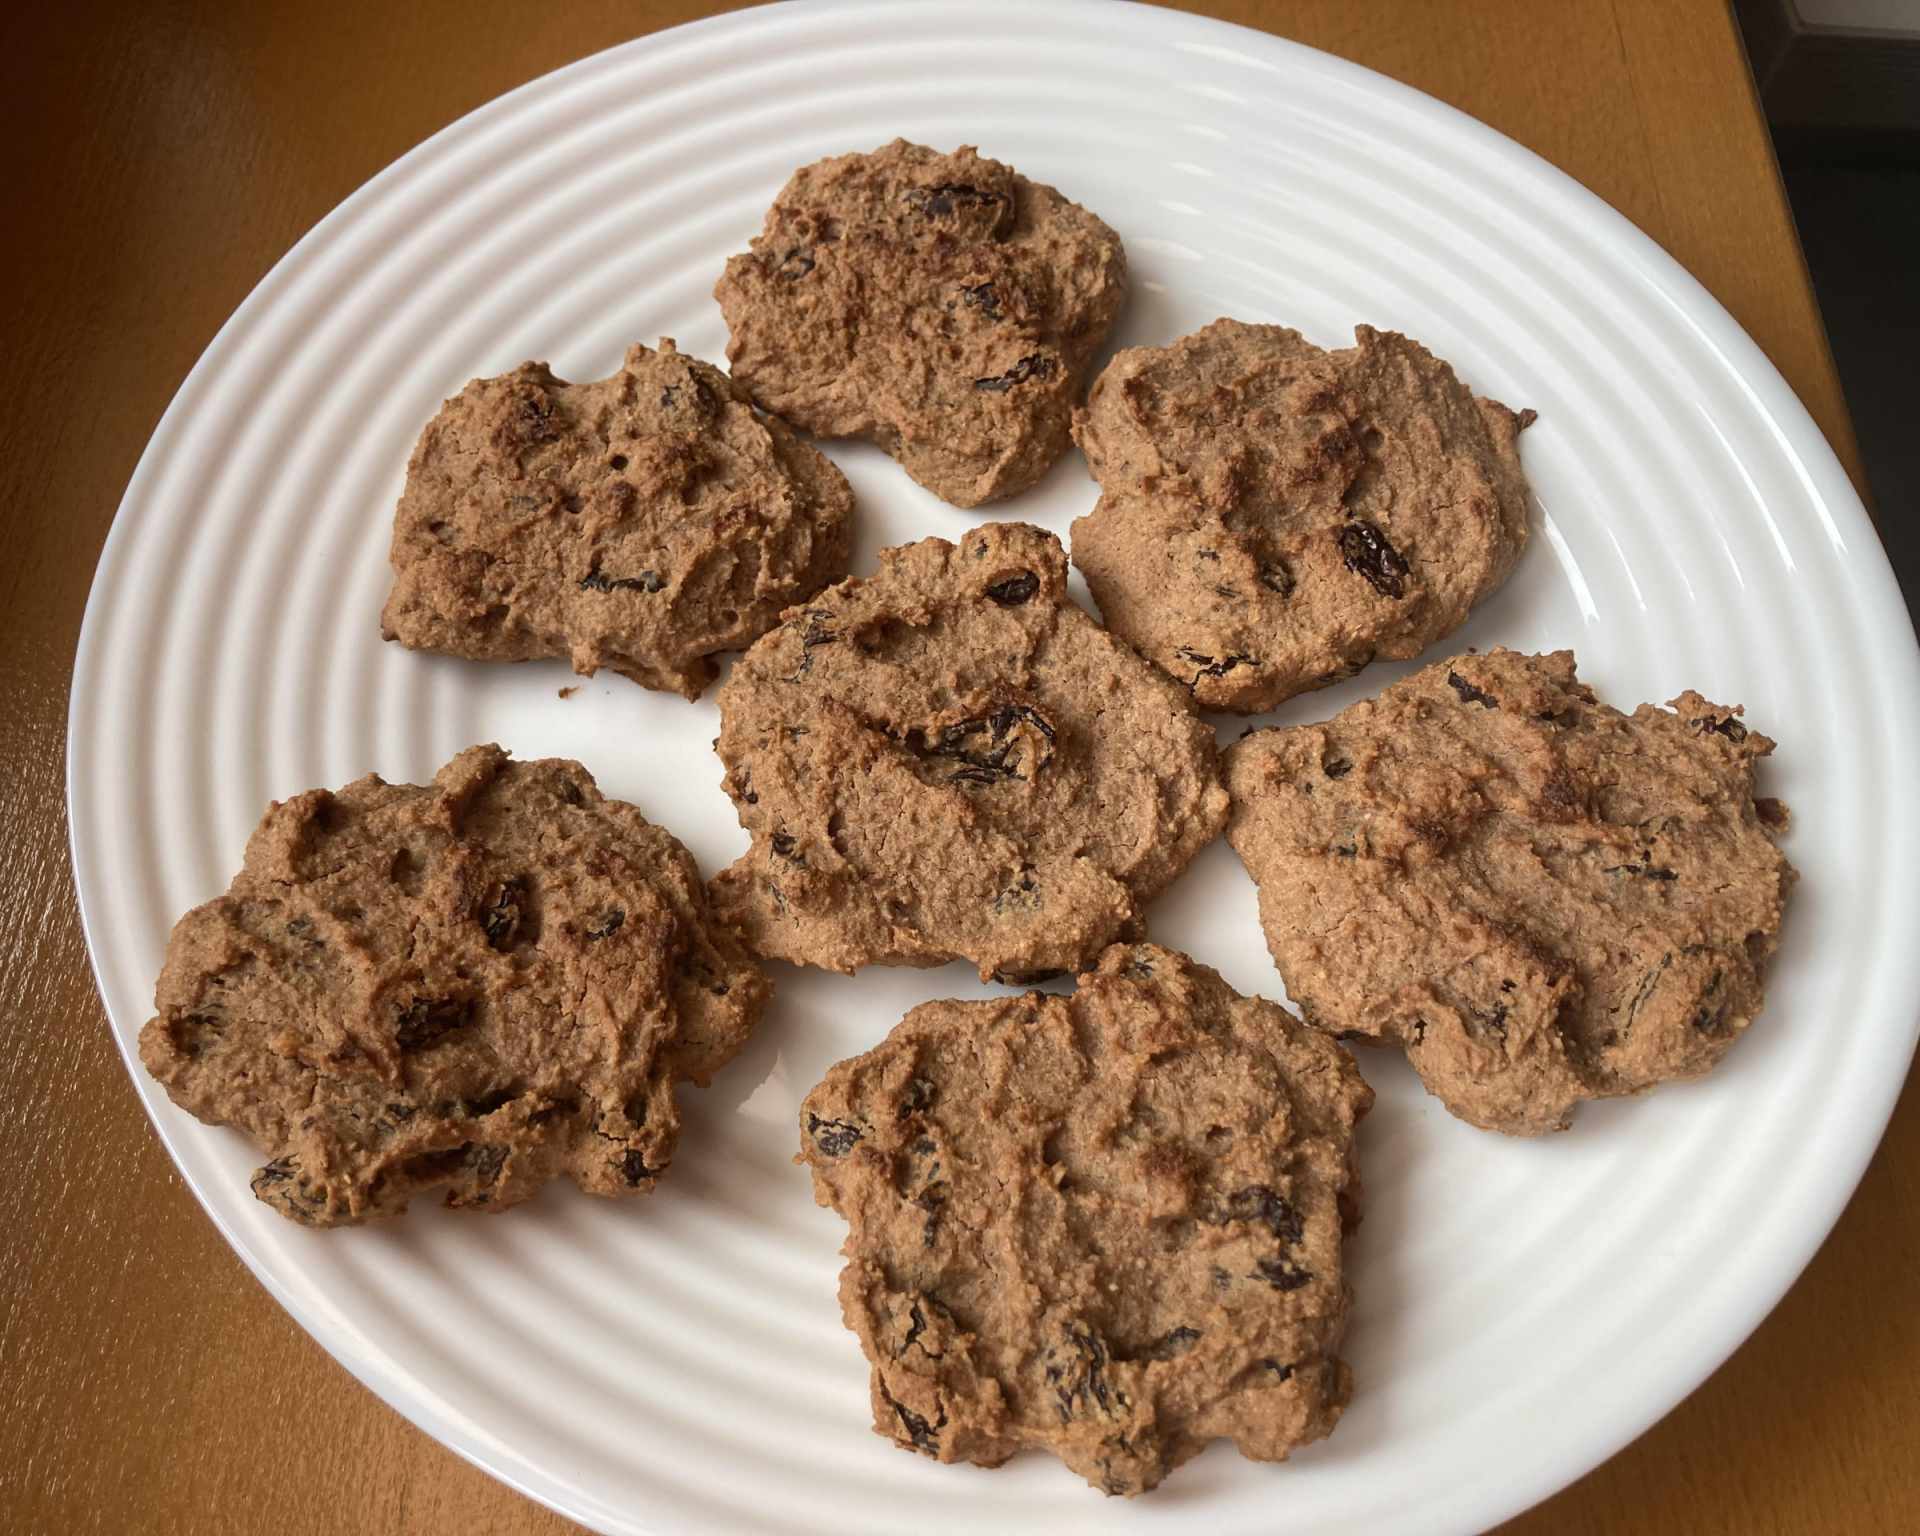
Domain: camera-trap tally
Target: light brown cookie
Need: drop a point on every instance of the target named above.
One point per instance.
(478, 985)
(643, 522)
(950, 760)
(1107, 1226)
(941, 306)
(1272, 517)
(1542, 899)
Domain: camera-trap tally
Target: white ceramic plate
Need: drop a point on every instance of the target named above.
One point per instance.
(1524, 1308)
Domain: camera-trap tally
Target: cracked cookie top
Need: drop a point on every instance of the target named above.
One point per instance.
(1273, 516)
(644, 522)
(1542, 900)
(941, 306)
(950, 759)
(472, 986)
(1108, 1225)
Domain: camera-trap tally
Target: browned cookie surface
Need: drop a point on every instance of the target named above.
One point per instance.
(478, 985)
(941, 306)
(642, 522)
(1541, 899)
(950, 759)
(1106, 1225)
(1273, 516)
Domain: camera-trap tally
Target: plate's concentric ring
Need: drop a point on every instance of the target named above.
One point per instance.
(1523, 1308)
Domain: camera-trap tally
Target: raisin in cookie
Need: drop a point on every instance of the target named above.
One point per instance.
(643, 522)
(1107, 1225)
(478, 985)
(1272, 517)
(1541, 899)
(950, 760)
(941, 306)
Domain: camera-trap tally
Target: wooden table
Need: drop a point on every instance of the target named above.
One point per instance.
(162, 159)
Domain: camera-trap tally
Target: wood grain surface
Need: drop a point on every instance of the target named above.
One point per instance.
(161, 157)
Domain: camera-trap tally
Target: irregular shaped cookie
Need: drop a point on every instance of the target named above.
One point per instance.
(1272, 517)
(941, 306)
(950, 760)
(643, 522)
(1542, 899)
(1107, 1225)
(478, 985)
